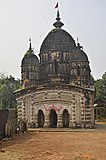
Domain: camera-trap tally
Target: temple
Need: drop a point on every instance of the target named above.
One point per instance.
(57, 87)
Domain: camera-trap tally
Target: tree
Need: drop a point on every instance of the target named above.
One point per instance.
(7, 87)
(100, 86)
(100, 98)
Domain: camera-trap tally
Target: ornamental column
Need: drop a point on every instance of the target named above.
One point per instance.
(36, 120)
(59, 121)
(70, 120)
(47, 123)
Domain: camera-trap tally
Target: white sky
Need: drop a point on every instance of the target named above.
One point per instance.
(24, 19)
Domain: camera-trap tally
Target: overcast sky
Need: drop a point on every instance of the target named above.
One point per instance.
(24, 19)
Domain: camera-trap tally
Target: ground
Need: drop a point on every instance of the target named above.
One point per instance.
(58, 145)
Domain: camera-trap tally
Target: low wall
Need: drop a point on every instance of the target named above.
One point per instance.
(7, 116)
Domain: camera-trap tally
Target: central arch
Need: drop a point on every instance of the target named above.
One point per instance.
(65, 118)
(53, 118)
(40, 118)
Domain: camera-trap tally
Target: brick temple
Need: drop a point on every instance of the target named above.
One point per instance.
(57, 86)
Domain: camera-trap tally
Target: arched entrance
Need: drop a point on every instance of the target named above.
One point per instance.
(53, 118)
(65, 118)
(40, 118)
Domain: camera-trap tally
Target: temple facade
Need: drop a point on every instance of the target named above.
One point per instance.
(57, 87)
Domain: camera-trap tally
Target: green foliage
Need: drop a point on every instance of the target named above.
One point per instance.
(54, 30)
(100, 98)
(7, 87)
(28, 53)
(100, 86)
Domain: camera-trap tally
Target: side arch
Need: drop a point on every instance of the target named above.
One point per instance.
(40, 118)
(65, 118)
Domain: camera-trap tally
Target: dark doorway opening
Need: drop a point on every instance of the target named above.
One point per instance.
(53, 119)
(65, 119)
(40, 118)
(55, 67)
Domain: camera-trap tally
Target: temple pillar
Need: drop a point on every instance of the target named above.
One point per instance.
(70, 121)
(59, 121)
(46, 123)
(36, 120)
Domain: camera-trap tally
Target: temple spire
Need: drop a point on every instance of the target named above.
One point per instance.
(58, 23)
(30, 45)
(78, 44)
(58, 15)
(77, 41)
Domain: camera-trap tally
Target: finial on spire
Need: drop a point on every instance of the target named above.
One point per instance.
(58, 23)
(30, 46)
(58, 16)
(78, 44)
(77, 40)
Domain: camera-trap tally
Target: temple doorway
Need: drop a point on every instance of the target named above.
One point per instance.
(65, 119)
(53, 118)
(40, 118)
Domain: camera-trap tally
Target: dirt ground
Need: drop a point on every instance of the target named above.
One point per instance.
(81, 145)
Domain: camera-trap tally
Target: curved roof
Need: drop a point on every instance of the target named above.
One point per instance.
(29, 58)
(57, 40)
(79, 54)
